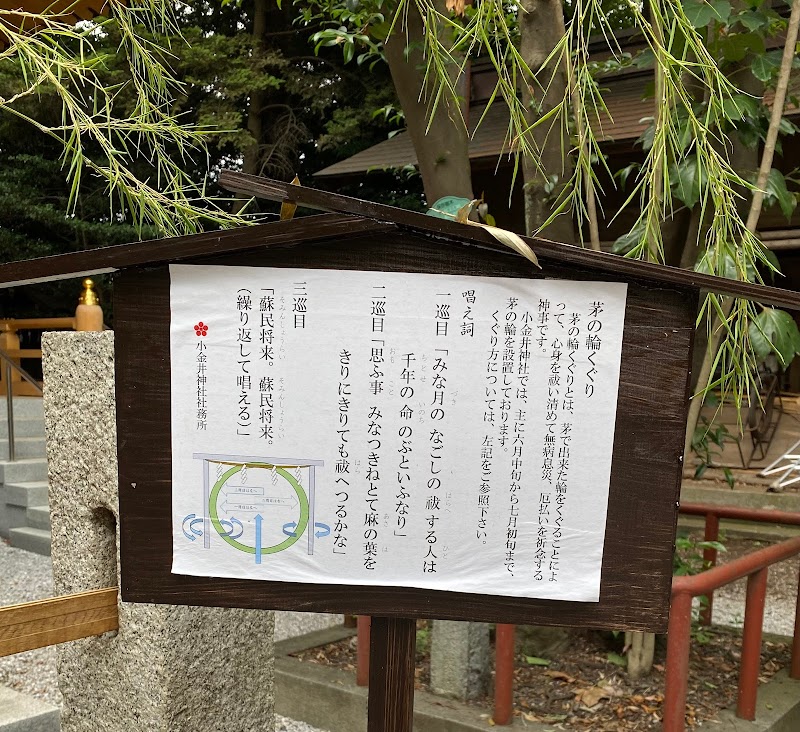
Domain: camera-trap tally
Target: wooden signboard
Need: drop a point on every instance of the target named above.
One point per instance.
(645, 476)
(368, 245)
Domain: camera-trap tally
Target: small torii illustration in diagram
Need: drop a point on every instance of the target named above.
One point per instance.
(257, 505)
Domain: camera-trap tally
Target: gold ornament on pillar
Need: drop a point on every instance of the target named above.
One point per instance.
(88, 314)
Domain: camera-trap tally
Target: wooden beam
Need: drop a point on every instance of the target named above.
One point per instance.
(57, 620)
(160, 251)
(273, 190)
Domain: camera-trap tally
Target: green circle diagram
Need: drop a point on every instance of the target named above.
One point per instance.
(286, 543)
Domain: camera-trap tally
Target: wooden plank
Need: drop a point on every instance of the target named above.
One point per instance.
(38, 323)
(390, 705)
(24, 353)
(106, 260)
(645, 480)
(23, 388)
(546, 250)
(57, 620)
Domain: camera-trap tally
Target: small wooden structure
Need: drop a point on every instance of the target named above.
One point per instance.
(650, 422)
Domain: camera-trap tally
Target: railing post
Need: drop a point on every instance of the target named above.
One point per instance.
(9, 341)
(677, 676)
(503, 674)
(751, 644)
(709, 560)
(795, 670)
(362, 650)
(12, 452)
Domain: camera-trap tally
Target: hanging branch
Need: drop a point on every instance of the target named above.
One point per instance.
(722, 323)
(55, 55)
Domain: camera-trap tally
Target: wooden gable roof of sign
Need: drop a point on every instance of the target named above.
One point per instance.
(347, 218)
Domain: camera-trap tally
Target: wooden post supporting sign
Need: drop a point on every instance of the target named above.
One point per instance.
(392, 653)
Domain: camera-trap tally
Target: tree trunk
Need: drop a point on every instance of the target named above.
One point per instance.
(541, 24)
(441, 142)
(255, 124)
(641, 649)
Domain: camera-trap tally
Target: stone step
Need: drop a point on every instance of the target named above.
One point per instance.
(24, 406)
(23, 470)
(25, 447)
(24, 493)
(31, 540)
(38, 517)
(23, 427)
(23, 713)
(15, 499)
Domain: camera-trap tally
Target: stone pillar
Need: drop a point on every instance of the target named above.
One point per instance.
(168, 668)
(459, 659)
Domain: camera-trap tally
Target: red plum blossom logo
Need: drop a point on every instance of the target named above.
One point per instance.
(201, 329)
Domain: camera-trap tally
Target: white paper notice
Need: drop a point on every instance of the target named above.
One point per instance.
(414, 430)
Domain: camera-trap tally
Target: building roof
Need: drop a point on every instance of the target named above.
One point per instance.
(629, 115)
(351, 218)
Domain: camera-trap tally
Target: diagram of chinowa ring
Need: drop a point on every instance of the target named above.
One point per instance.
(257, 505)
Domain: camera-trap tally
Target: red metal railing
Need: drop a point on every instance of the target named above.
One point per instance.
(753, 566)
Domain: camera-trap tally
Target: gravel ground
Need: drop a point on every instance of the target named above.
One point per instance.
(781, 592)
(26, 576)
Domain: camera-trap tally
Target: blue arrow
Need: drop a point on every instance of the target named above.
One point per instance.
(258, 538)
(324, 530)
(191, 520)
(293, 525)
(189, 536)
(229, 532)
(199, 532)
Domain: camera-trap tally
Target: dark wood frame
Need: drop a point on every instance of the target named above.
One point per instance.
(637, 566)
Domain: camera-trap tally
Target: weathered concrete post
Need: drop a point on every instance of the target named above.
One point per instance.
(180, 669)
(459, 659)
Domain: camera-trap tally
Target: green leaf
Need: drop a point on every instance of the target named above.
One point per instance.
(628, 241)
(447, 207)
(740, 106)
(787, 127)
(774, 331)
(753, 20)
(763, 67)
(722, 10)
(736, 46)
(536, 661)
(700, 13)
(625, 172)
(719, 546)
(617, 660)
(644, 60)
(687, 181)
(646, 138)
(777, 192)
